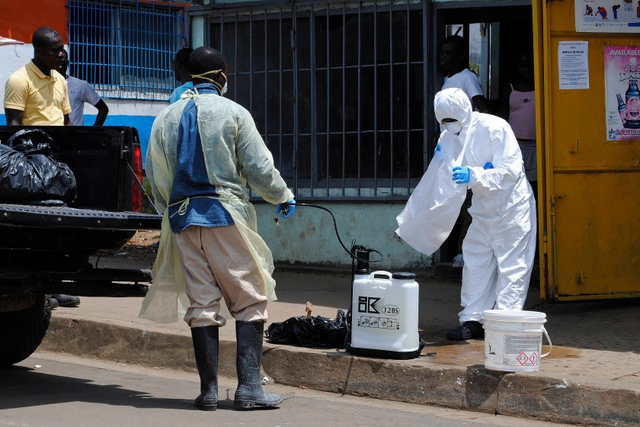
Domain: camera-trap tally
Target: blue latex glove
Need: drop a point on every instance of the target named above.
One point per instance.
(461, 175)
(285, 210)
(437, 150)
(488, 165)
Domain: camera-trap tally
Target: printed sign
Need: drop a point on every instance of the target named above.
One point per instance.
(573, 64)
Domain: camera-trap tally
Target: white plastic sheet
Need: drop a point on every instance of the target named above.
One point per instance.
(433, 208)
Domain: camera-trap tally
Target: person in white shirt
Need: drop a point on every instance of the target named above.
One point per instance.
(80, 92)
(455, 64)
(454, 61)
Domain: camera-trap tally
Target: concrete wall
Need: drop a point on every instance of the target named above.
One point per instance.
(13, 57)
(308, 237)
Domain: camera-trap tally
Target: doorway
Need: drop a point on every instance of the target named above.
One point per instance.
(494, 34)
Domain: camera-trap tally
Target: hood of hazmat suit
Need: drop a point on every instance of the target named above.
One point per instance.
(486, 138)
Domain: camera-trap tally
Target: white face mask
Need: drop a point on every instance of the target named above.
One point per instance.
(224, 88)
(453, 127)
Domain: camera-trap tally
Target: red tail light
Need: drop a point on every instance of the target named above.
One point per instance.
(136, 198)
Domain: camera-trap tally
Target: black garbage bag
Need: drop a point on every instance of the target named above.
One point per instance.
(33, 177)
(313, 331)
(33, 141)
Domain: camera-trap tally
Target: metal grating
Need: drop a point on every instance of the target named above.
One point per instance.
(336, 89)
(124, 48)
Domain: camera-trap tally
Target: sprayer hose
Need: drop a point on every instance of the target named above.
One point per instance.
(335, 226)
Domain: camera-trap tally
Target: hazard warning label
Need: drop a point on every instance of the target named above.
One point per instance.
(521, 350)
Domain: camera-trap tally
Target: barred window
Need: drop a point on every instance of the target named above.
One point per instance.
(124, 48)
(337, 91)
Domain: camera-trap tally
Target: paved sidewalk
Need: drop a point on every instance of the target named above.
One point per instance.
(591, 377)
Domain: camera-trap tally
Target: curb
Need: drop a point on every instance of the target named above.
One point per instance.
(471, 388)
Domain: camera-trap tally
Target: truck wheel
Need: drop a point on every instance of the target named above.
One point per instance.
(21, 332)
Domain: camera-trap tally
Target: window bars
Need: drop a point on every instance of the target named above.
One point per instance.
(336, 89)
(124, 48)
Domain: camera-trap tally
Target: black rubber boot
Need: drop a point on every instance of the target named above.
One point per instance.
(250, 393)
(205, 346)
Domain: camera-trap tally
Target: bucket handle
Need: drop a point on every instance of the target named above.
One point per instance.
(548, 340)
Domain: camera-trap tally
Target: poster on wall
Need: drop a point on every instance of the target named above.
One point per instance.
(607, 16)
(573, 65)
(621, 73)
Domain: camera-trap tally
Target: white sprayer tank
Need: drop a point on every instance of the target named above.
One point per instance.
(384, 316)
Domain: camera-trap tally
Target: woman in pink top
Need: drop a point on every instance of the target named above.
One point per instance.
(518, 107)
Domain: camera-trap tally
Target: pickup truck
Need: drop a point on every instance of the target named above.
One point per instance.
(48, 250)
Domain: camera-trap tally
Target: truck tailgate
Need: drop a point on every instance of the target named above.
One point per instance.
(66, 217)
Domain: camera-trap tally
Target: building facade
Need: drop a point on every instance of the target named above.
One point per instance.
(342, 92)
(123, 48)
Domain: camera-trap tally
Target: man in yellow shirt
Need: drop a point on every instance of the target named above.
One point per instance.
(36, 94)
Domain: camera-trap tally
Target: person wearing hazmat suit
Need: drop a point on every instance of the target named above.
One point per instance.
(202, 152)
(478, 151)
(500, 245)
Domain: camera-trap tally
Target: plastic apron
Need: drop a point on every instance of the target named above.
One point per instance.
(434, 206)
(166, 300)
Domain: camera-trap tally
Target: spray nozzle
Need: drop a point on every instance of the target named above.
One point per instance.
(285, 210)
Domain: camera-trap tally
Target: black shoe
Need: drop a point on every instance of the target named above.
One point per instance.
(466, 331)
(67, 300)
(53, 302)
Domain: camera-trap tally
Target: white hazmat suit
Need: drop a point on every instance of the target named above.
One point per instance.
(499, 247)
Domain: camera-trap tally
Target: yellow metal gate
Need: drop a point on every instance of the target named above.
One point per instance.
(590, 192)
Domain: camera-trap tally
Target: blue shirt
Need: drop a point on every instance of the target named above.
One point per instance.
(175, 95)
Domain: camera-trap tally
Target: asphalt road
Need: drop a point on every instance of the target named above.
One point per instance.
(52, 390)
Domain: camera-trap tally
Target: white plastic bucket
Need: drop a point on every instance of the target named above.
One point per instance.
(513, 340)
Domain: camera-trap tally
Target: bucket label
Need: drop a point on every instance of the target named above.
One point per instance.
(513, 350)
(521, 350)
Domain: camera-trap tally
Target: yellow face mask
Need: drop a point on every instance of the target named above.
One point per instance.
(223, 89)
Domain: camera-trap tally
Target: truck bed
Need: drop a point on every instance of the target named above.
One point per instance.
(100, 218)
